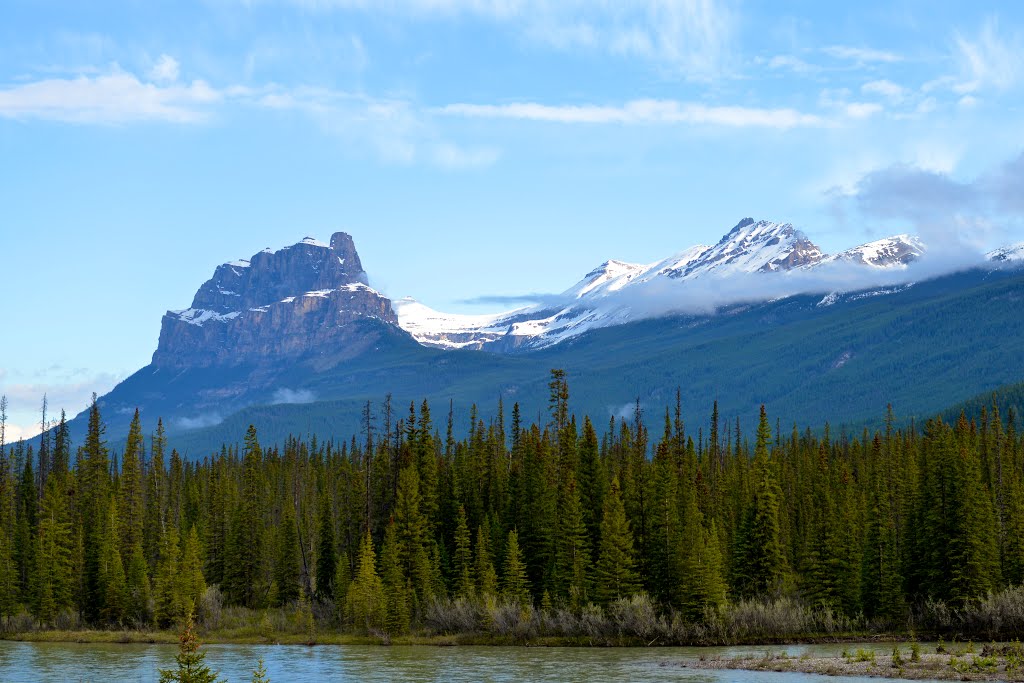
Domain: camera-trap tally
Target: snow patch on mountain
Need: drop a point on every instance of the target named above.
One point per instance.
(448, 330)
(619, 291)
(897, 251)
(199, 316)
(1008, 254)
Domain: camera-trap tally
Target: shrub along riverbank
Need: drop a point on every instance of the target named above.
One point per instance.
(632, 621)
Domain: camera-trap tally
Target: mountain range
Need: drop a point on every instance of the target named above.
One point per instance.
(697, 279)
(296, 340)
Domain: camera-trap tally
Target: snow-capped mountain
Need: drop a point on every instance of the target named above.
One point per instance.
(608, 294)
(898, 250)
(1008, 254)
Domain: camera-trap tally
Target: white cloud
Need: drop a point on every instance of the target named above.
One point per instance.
(199, 421)
(861, 55)
(988, 59)
(640, 112)
(14, 432)
(110, 98)
(165, 70)
(884, 88)
(392, 128)
(794, 64)
(862, 110)
(294, 396)
(691, 38)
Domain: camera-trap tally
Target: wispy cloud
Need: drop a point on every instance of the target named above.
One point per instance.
(640, 112)
(690, 38)
(513, 299)
(791, 63)
(861, 55)
(110, 98)
(292, 396)
(988, 59)
(393, 129)
(165, 70)
(884, 88)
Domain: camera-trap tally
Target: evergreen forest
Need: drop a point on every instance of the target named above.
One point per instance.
(644, 526)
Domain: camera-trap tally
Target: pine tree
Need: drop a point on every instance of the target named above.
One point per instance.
(191, 585)
(138, 593)
(342, 580)
(243, 561)
(53, 582)
(8, 579)
(396, 620)
(615, 574)
(130, 499)
(483, 566)
(763, 562)
(411, 529)
(191, 661)
(463, 557)
(167, 601)
(366, 599)
(93, 490)
(572, 550)
(287, 565)
(973, 550)
(115, 599)
(259, 674)
(326, 557)
(514, 583)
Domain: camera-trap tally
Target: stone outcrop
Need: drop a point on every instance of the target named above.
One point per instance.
(302, 300)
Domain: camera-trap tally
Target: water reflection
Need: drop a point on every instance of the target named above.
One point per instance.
(79, 663)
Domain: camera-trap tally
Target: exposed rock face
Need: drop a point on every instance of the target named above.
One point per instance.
(761, 246)
(296, 301)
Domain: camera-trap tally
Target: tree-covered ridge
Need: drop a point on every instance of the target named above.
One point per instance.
(374, 531)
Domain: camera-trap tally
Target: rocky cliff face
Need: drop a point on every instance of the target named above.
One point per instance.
(297, 301)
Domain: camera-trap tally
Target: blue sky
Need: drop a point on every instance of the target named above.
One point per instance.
(472, 147)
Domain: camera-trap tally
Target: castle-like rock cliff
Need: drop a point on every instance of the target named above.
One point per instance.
(297, 301)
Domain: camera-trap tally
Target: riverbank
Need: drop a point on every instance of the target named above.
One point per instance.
(251, 637)
(992, 663)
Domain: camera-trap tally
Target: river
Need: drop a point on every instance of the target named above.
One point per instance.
(107, 663)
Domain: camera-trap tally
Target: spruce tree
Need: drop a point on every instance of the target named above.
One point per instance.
(514, 583)
(130, 489)
(191, 584)
(342, 580)
(138, 593)
(366, 599)
(168, 604)
(287, 565)
(191, 667)
(326, 557)
(115, 598)
(572, 549)
(483, 566)
(615, 575)
(8, 580)
(463, 557)
(396, 619)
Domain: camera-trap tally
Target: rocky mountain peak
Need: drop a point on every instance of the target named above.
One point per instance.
(754, 246)
(288, 301)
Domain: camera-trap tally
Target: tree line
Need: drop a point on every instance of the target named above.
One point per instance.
(373, 530)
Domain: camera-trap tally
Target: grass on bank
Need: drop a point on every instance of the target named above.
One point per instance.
(962, 663)
(627, 621)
